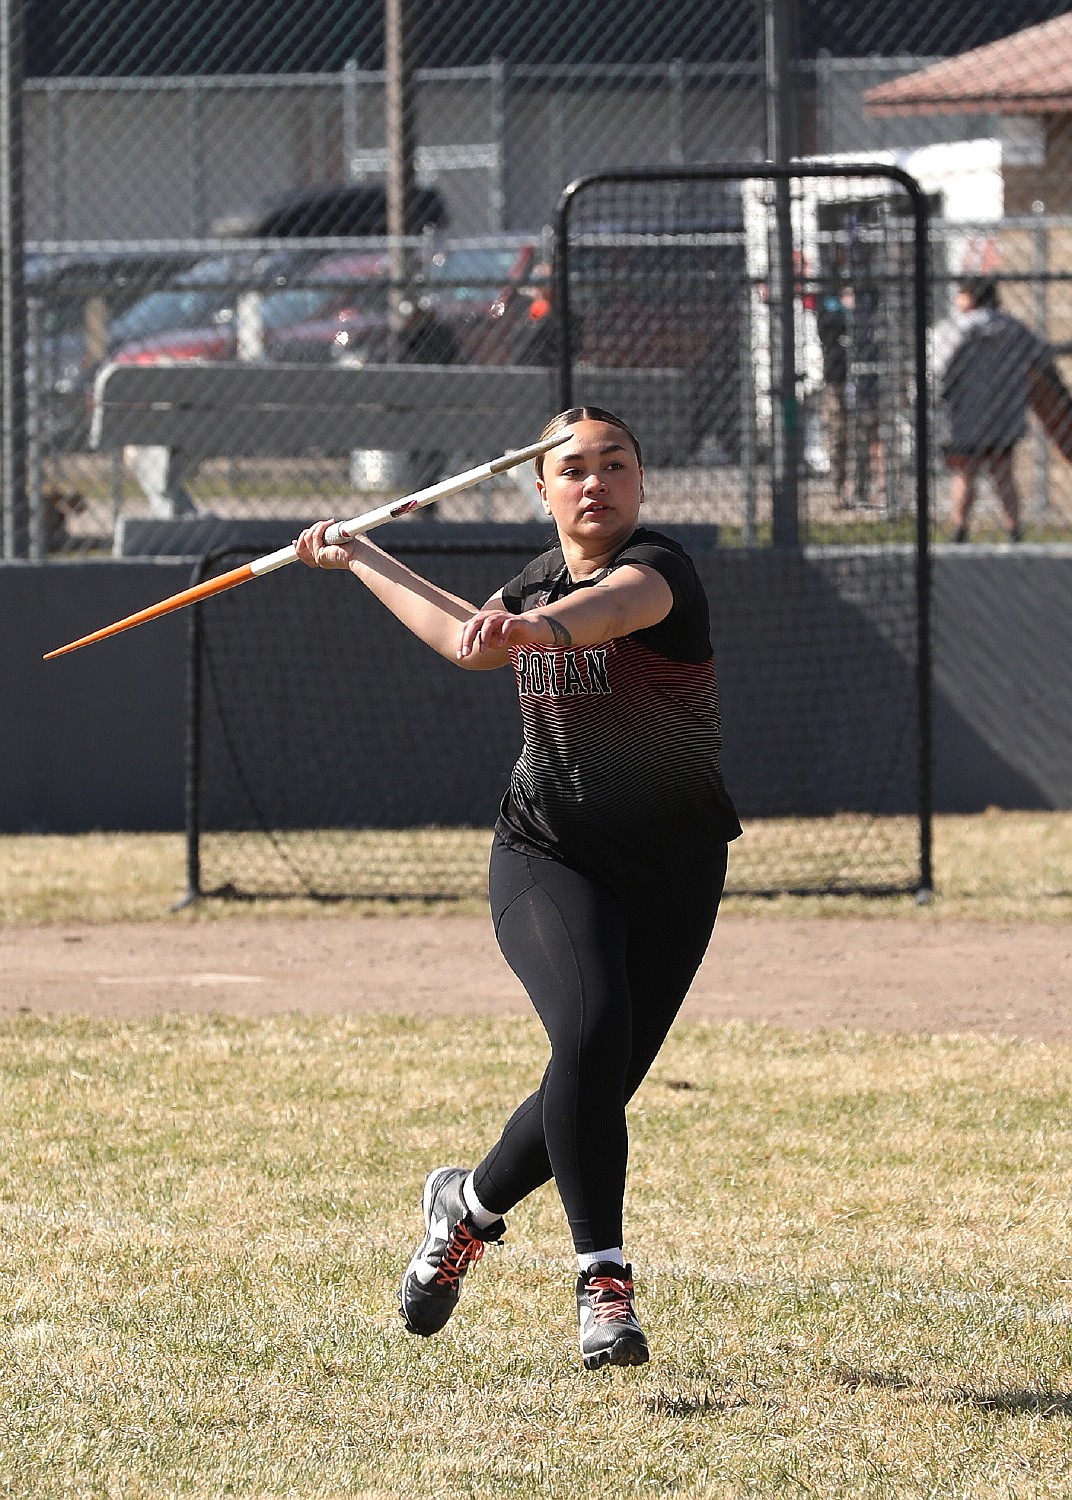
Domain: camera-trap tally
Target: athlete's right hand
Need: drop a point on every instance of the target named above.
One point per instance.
(491, 630)
(312, 551)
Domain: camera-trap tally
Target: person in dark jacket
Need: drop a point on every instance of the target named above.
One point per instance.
(984, 361)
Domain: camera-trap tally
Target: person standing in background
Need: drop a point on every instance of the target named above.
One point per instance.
(833, 314)
(984, 363)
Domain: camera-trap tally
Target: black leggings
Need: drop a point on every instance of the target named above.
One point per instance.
(607, 974)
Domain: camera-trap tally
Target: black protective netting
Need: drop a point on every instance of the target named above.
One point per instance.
(328, 730)
(339, 757)
(695, 276)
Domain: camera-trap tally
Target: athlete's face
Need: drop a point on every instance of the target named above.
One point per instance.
(593, 486)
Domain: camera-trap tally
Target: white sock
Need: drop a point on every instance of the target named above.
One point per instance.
(481, 1217)
(614, 1255)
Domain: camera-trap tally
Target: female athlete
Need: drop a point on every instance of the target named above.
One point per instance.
(609, 856)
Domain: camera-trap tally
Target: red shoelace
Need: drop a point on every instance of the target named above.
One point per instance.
(462, 1249)
(609, 1299)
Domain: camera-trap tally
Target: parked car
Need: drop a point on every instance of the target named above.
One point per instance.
(196, 315)
(484, 294)
(507, 329)
(485, 304)
(670, 304)
(70, 298)
(330, 210)
(339, 309)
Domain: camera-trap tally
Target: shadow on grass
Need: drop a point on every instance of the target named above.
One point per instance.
(1040, 1403)
(708, 1404)
(1007, 1403)
(1016, 1403)
(855, 1379)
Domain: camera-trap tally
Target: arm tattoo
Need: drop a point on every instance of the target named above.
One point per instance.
(560, 634)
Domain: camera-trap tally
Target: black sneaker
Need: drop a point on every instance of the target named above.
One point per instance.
(610, 1333)
(432, 1283)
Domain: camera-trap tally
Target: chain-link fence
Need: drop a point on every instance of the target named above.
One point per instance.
(193, 197)
(216, 186)
(662, 293)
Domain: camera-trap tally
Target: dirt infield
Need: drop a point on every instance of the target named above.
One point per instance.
(892, 975)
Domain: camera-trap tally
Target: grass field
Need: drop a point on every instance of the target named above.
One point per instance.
(852, 1255)
(852, 1250)
(995, 866)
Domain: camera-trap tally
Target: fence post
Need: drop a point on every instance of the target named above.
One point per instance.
(57, 152)
(499, 106)
(352, 121)
(679, 149)
(778, 51)
(35, 401)
(196, 126)
(924, 664)
(192, 786)
(556, 141)
(400, 120)
(1041, 444)
(748, 424)
(12, 285)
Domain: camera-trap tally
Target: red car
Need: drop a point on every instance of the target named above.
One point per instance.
(493, 298)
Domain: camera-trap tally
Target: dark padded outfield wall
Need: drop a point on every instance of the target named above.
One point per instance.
(1003, 677)
(95, 740)
(320, 713)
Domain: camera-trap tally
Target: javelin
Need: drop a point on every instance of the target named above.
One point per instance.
(340, 531)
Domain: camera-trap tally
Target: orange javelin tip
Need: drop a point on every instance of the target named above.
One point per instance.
(165, 607)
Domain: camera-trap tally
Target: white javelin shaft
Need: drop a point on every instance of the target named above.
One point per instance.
(343, 530)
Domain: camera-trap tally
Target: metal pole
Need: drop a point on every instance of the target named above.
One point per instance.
(748, 422)
(499, 107)
(196, 127)
(889, 390)
(401, 131)
(350, 120)
(824, 110)
(12, 291)
(561, 301)
(34, 406)
(778, 33)
(1042, 446)
(679, 146)
(554, 153)
(194, 723)
(921, 291)
(57, 153)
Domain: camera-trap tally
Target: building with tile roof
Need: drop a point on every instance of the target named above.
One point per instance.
(1026, 79)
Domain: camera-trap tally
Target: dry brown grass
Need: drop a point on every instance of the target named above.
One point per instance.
(997, 866)
(851, 1250)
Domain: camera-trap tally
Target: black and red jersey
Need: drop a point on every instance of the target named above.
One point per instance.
(619, 775)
